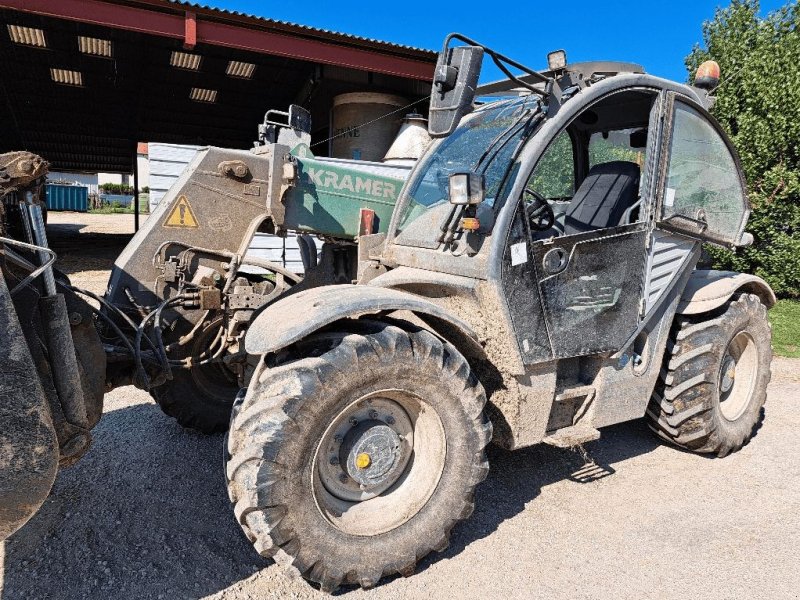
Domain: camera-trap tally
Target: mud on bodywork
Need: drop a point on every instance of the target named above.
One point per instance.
(28, 442)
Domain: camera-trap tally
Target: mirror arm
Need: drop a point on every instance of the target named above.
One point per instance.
(501, 61)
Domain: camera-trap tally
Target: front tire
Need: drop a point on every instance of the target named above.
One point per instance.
(713, 385)
(356, 463)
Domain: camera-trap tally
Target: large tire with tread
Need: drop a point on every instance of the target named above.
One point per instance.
(202, 397)
(276, 451)
(713, 383)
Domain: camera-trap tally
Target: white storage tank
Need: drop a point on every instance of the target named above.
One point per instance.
(410, 143)
(361, 126)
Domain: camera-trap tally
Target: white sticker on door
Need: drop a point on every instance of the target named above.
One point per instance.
(519, 253)
(669, 197)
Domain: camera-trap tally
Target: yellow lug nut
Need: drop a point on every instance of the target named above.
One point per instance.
(363, 460)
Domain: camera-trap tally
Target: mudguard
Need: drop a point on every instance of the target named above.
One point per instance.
(296, 316)
(709, 289)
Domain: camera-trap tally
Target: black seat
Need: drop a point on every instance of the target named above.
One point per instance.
(608, 191)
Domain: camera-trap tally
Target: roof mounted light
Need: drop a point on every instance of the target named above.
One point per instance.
(557, 60)
(94, 46)
(185, 60)
(27, 36)
(203, 95)
(66, 77)
(242, 70)
(707, 77)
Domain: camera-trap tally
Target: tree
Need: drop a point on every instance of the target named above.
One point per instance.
(758, 104)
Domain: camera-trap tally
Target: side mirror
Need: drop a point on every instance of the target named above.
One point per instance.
(454, 83)
(466, 189)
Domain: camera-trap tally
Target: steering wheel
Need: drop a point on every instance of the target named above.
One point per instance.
(538, 210)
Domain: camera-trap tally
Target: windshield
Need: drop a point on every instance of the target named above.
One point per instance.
(485, 143)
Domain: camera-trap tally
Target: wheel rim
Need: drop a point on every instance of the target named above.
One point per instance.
(737, 376)
(378, 462)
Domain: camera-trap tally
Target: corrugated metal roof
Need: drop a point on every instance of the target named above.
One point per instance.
(297, 27)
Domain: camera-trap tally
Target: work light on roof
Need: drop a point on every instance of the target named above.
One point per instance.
(94, 46)
(243, 70)
(185, 60)
(203, 95)
(557, 60)
(29, 36)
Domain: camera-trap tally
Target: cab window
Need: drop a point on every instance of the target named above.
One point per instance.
(554, 176)
(591, 172)
(619, 144)
(703, 182)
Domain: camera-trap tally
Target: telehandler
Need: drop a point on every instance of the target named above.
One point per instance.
(533, 278)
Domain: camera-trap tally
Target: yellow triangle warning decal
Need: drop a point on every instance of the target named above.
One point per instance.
(181, 215)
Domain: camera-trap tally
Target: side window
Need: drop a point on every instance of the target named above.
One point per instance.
(703, 182)
(554, 176)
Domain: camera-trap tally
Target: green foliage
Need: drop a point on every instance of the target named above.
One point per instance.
(554, 176)
(116, 188)
(785, 319)
(758, 104)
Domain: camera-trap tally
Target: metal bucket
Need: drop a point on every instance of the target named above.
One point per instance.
(361, 125)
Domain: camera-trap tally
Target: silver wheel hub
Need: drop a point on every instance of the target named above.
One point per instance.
(728, 374)
(367, 449)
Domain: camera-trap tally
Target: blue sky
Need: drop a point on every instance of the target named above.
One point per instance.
(657, 35)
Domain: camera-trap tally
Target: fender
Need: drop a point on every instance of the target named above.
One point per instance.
(709, 289)
(296, 316)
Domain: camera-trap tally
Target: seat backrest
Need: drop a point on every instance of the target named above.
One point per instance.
(608, 191)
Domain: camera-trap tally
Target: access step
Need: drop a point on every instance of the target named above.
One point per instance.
(574, 435)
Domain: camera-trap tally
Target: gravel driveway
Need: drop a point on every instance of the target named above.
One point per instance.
(145, 515)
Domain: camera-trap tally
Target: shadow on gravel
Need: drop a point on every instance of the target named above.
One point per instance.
(516, 478)
(145, 514)
(84, 251)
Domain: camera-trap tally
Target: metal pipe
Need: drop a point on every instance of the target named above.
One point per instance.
(136, 188)
(34, 214)
(34, 270)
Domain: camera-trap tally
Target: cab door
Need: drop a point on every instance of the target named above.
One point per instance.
(591, 283)
(703, 195)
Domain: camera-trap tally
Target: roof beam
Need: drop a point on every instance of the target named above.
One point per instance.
(216, 33)
(190, 31)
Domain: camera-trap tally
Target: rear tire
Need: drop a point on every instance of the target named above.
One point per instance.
(199, 398)
(713, 385)
(289, 430)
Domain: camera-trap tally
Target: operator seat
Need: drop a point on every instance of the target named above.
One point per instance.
(604, 197)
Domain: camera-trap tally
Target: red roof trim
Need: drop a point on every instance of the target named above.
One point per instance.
(190, 31)
(219, 34)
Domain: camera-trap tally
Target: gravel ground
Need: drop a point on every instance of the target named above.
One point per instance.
(145, 515)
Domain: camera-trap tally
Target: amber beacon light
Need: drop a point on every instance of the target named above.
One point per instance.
(707, 77)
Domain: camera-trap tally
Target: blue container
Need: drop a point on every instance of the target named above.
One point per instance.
(67, 197)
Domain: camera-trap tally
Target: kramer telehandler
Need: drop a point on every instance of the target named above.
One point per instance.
(532, 279)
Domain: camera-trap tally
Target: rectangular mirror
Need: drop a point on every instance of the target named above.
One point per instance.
(454, 84)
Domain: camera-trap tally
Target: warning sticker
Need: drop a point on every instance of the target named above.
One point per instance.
(181, 215)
